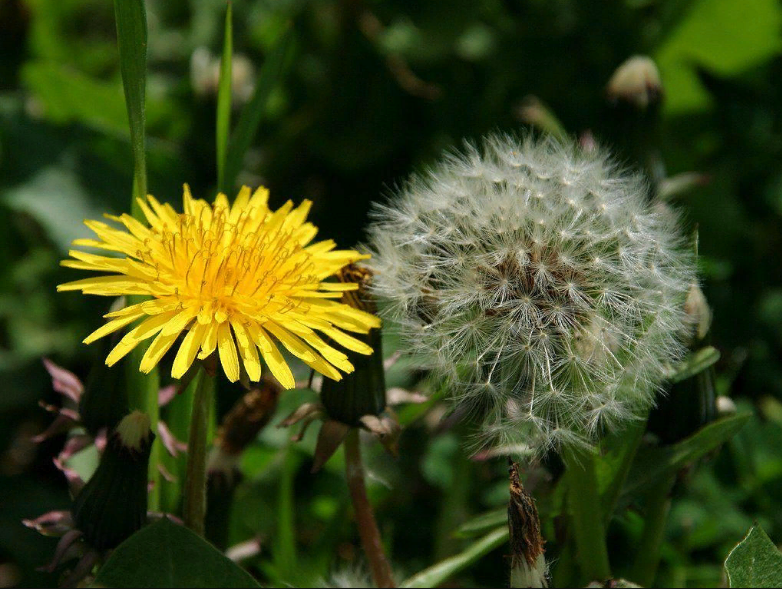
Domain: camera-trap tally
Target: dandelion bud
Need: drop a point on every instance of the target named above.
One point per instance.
(697, 308)
(537, 281)
(636, 81)
(113, 504)
(362, 392)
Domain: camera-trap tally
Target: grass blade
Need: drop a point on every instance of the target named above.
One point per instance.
(252, 114)
(131, 19)
(132, 43)
(442, 571)
(224, 102)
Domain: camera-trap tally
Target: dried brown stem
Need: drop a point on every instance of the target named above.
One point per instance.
(365, 517)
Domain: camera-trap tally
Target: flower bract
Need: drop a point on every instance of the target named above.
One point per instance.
(237, 278)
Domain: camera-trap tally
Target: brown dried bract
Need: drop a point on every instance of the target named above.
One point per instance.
(523, 522)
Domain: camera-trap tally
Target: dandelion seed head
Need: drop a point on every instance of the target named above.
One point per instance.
(538, 280)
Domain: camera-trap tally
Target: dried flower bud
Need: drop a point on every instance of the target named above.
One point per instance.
(528, 563)
(113, 503)
(636, 81)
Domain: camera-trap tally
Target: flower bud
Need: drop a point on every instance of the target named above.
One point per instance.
(636, 81)
(113, 503)
(362, 392)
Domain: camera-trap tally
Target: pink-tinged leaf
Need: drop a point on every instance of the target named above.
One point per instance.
(397, 396)
(65, 421)
(244, 550)
(166, 474)
(166, 394)
(391, 360)
(52, 523)
(75, 482)
(101, 439)
(74, 445)
(63, 381)
(170, 442)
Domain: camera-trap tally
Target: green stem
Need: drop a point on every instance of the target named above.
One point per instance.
(143, 396)
(194, 510)
(631, 440)
(587, 518)
(365, 517)
(656, 517)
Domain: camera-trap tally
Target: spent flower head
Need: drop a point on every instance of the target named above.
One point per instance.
(233, 278)
(539, 282)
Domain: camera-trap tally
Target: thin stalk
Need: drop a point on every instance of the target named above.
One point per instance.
(648, 554)
(194, 510)
(631, 441)
(365, 518)
(588, 528)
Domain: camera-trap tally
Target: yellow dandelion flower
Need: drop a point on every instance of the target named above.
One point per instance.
(239, 279)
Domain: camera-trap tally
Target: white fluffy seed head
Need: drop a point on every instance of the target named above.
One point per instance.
(540, 282)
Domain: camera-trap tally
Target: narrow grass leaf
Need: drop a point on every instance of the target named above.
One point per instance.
(224, 101)
(443, 570)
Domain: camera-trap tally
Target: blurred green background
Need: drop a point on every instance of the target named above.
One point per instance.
(374, 89)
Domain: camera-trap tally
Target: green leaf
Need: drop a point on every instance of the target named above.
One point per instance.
(132, 43)
(482, 523)
(755, 562)
(224, 102)
(166, 554)
(714, 34)
(252, 114)
(695, 363)
(440, 572)
(654, 463)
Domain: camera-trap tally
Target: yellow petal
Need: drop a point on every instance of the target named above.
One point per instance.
(272, 356)
(209, 342)
(347, 341)
(333, 356)
(228, 357)
(156, 350)
(247, 350)
(113, 326)
(144, 330)
(293, 344)
(188, 350)
(180, 321)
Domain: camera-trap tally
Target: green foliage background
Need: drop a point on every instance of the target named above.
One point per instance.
(373, 90)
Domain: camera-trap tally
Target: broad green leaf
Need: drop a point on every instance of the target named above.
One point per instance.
(654, 463)
(724, 36)
(695, 363)
(224, 102)
(67, 96)
(755, 562)
(252, 114)
(166, 554)
(482, 523)
(442, 571)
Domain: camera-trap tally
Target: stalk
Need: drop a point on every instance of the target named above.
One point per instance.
(365, 518)
(194, 510)
(648, 554)
(587, 517)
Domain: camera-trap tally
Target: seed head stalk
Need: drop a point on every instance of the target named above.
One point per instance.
(371, 541)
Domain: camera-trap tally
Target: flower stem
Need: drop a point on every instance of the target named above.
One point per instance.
(194, 509)
(587, 517)
(648, 554)
(365, 518)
